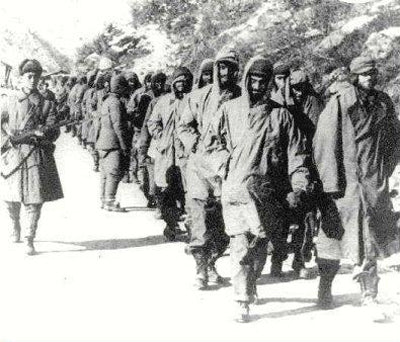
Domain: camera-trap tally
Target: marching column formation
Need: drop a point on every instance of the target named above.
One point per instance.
(251, 167)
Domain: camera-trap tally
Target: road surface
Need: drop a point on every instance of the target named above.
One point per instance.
(102, 276)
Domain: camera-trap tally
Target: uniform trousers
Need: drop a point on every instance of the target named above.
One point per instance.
(33, 211)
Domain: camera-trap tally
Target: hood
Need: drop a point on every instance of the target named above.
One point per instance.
(206, 66)
(119, 85)
(158, 77)
(183, 72)
(91, 77)
(257, 64)
(132, 76)
(101, 79)
(223, 56)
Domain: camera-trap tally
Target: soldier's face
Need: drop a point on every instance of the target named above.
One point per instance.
(30, 80)
(280, 80)
(206, 77)
(298, 91)
(180, 86)
(158, 86)
(258, 85)
(227, 74)
(368, 80)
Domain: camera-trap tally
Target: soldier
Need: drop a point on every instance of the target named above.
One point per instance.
(136, 118)
(134, 85)
(162, 126)
(204, 78)
(146, 147)
(356, 148)
(266, 164)
(61, 99)
(280, 92)
(29, 173)
(45, 91)
(72, 104)
(78, 107)
(102, 87)
(87, 111)
(112, 142)
(306, 107)
(208, 240)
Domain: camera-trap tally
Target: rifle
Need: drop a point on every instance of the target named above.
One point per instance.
(32, 135)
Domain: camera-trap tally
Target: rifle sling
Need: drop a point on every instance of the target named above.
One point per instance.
(19, 165)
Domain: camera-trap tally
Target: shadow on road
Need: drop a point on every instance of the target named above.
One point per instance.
(285, 278)
(112, 244)
(346, 299)
(139, 209)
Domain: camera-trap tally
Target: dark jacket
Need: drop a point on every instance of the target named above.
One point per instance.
(112, 133)
(356, 148)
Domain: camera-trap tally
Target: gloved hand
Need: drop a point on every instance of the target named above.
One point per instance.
(26, 138)
(295, 199)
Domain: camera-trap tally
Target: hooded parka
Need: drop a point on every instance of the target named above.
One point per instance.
(260, 143)
(162, 126)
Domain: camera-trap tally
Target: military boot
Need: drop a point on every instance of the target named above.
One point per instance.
(213, 277)
(16, 234)
(276, 269)
(368, 279)
(114, 206)
(14, 213)
(169, 233)
(327, 270)
(126, 178)
(30, 247)
(242, 312)
(33, 215)
(201, 279)
(254, 295)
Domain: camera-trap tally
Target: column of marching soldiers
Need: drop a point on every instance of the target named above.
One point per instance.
(250, 165)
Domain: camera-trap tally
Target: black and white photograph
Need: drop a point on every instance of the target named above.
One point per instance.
(199, 170)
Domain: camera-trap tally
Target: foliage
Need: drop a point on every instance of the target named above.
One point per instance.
(114, 44)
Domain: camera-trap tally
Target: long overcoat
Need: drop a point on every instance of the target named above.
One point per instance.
(356, 148)
(36, 178)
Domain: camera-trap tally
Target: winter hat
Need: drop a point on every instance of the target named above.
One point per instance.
(119, 85)
(362, 64)
(262, 67)
(30, 65)
(281, 68)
